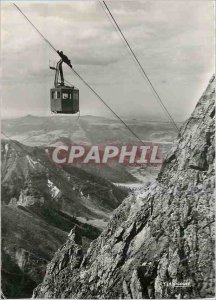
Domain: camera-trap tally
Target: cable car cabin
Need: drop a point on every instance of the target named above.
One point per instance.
(64, 100)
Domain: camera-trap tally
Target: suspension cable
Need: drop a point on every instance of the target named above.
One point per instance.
(17, 7)
(114, 113)
(138, 62)
(83, 80)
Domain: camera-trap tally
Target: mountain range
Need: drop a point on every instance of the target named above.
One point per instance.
(41, 203)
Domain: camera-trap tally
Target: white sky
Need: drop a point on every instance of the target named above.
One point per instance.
(173, 39)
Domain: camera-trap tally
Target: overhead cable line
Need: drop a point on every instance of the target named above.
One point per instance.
(17, 7)
(117, 31)
(139, 64)
(82, 79)
(117, 116)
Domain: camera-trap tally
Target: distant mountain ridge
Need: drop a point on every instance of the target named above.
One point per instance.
(36, 131)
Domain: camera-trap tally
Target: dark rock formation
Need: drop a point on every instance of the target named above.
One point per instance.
(157, 245)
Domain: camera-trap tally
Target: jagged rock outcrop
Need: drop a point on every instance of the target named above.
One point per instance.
(157, 245)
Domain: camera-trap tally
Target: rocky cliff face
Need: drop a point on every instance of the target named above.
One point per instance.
(159, 244)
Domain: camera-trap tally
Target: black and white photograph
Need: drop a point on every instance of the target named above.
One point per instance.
(107, 149)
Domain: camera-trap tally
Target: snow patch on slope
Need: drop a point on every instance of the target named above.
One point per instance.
(31, 161)
(6, 148)
(99, 223)
(54, 190)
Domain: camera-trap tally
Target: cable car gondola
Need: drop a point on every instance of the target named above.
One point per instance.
(64, 99)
